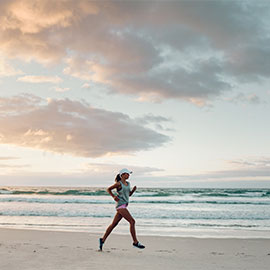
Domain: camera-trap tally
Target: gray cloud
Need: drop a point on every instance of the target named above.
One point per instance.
(72, 127)
(248, 168)
(252, 163)
(153, 50)
(150, 118)
(246, 99)
(157, 121)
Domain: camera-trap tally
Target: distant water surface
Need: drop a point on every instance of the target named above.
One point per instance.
(242, 213)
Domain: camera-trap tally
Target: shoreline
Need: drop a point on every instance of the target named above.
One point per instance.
(123, 229)
(115, 232)
(37, 249)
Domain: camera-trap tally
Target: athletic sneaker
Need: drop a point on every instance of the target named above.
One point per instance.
(138, 245)
(100, 244)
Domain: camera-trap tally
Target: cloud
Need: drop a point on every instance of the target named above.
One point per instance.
(35, 15)
(79, 68)
(8, 158)
(25, 102)
(150, 118)
(245, 99)
(243, 169)
(86, 85)
(5, 166)
(252, 163)
(187, 50)
(72, 127)
(40, 79)
(157, 121)
(113, 169)
(6, 69)
(36, 27)
(61, 89)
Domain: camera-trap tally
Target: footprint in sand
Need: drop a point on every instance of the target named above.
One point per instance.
(244, 254)
(164, 250)
(217, 253)
(240, 254)
(102, 251)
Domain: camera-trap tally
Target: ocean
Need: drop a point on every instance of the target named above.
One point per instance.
(186, 212)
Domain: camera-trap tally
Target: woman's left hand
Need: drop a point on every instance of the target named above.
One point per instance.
(132, 191)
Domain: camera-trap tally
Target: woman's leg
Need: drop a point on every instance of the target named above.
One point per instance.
(116, 220)
(126, 215)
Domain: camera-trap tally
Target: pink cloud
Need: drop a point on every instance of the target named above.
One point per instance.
(71, 127)
(40, 79)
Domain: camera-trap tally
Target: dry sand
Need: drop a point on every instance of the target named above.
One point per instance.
(30, 249)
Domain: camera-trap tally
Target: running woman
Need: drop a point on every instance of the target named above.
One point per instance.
(122, 199)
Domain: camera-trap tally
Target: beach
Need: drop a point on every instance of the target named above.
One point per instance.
(56, 228)
(37, 249)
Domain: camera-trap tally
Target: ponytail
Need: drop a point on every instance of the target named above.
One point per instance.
(117, 178)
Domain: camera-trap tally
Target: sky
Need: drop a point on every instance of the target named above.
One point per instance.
(176, 91)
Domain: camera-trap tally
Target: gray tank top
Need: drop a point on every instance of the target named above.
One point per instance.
(123, 194)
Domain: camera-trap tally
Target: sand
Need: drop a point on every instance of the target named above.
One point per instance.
(30, 249)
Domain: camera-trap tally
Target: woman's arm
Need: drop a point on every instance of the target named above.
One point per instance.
(132, 191)
(109, 190)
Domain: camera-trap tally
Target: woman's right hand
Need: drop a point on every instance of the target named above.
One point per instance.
(116, 198)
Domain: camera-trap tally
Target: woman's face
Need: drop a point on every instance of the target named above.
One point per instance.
(125, 175)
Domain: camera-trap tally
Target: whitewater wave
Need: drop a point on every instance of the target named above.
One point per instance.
(142, 192)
